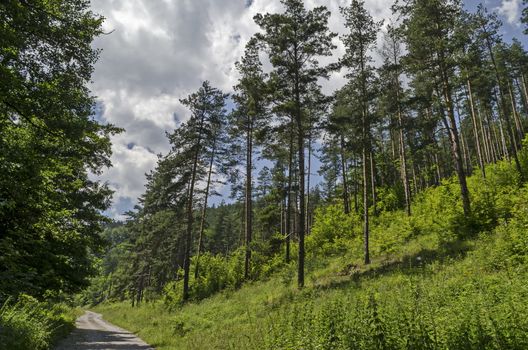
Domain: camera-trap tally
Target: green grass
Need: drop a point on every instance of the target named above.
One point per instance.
(437, 280)
(28, 324)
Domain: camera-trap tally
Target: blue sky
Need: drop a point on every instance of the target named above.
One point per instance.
(159, 51)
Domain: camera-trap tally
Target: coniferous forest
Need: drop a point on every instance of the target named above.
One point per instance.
(411, 232)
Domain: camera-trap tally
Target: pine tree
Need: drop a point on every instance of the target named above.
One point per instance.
(358, 42)
(207, 107)
(393, 93)
(428, 30)
(246, 120)
(294, 40)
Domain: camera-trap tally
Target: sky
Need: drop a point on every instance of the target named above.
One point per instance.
(156, 52)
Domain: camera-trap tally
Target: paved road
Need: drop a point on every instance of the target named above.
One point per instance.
(93, 333)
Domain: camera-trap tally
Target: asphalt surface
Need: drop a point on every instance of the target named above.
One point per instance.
(94, 333)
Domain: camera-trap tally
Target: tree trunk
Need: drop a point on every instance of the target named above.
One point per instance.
(288, 196)
(403, 165)
(373, 182)
(518, 123)
(346, 201)
(524, 102)
(455, 143)
(505, 150)
(469, 94)
(365, 202)
(300, 150)
(485, 137)
(307, 224)
(356, 186)
(504, 109)
(190, 216)
(249, 191)
(204, 211)
(524, 90)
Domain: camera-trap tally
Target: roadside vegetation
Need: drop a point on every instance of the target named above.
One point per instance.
(438, 280)
(26, 323)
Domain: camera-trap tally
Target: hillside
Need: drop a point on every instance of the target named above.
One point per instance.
(282, 174)
(438, 280)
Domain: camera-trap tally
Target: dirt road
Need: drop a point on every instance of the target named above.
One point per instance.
(93, 333)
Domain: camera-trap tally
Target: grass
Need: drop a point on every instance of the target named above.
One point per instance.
(437, 281)
(27, 324)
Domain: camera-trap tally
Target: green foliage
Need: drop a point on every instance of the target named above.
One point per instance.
(473, 303)
(389, 198)
(50, 209)
(434, 283)
(332, 230)
(31, 325)
(523, 155)
(218, 272)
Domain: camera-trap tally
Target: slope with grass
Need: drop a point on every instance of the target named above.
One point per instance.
(438, 280)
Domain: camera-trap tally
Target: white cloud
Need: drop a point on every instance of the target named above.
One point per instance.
(511, 9)
(159, 51)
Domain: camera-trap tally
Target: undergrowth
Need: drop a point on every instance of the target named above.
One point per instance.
(27, 324)
(438, 280)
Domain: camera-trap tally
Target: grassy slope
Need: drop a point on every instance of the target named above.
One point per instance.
(426, 288)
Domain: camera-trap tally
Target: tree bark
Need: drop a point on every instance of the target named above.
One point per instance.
(300, 150)
(346, 200)
(249, 191)
(288, 196)
(190, 216)
(204, 211)
(518, 123)
(403, 161)
(373, 182)
(469, 94)
(455, 143)
(503, 105)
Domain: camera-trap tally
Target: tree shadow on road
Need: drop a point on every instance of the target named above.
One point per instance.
(93, 339)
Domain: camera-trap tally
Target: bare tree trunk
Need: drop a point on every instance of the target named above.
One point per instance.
(524, 90)
(204, 211)
(403, 165)
(504, 109)
(469, 94)
(249, 192)
(455, 143)
(307, 224)
(365, 203)
(356, 187)
(503, 139)
(466, 158)
(190, 216)
(415, 179)
(495, 141)
(518, 125)
(288, 195)
(346, 201)
(373, 182)
(524, 102)
(485, 138)
(301, 221)
(437, 166)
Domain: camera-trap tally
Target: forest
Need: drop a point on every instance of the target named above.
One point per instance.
(412, 232)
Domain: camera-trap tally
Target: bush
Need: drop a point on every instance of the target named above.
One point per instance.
(218, 272)
(478, 302)
(32, 325)
(332, 230)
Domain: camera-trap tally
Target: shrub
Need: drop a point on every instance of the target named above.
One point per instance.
(331, 229)
(28, 324)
